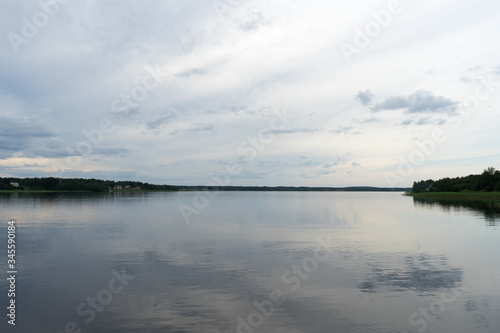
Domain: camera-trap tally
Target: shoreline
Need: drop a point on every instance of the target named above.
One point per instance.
(78, 191)
(475, 196)
(201, 189)
(44, 191)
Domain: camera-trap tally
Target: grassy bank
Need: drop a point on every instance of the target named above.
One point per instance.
(489, 196)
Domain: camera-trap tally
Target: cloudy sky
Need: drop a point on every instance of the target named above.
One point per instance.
(299, 93)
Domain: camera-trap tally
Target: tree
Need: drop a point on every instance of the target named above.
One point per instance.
(484, 182)
(489, 180)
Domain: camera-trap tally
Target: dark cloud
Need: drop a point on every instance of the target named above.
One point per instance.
(293, 130)
(418, 102)
(337, 161)
(430, 121)
(424, 121)
(466, 79)
(310, 163)
(233, 109)
(32, 165)
(477, 75)
(317, 174)
(253, 22)
(57, 148)
(344, 130)
(368, 120)
(365, 97)
(33, 137)
(236, 108)
(308, 176)
(202, 127)
(18, 135)
(111, 151)
(11, 144)
(192, 71)
(245, 173)
(27, 127)
(51, 148)
(155, 124)
(127, 114)
(474, 69)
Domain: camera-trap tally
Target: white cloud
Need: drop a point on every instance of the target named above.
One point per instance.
(418, 102)
(224, 68)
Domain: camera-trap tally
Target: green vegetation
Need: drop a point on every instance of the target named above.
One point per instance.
(485, 186)
(51, 184)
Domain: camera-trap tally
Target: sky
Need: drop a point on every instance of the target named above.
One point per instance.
(249, 92)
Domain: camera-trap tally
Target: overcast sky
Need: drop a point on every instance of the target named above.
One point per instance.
(298, 93)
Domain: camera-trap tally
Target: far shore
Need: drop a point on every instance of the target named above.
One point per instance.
(78, 191)
(43, 191)
(224, 189)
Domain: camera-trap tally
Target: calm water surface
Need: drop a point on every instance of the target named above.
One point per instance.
(252, 262)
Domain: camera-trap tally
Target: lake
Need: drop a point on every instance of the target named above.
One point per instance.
(251, 262)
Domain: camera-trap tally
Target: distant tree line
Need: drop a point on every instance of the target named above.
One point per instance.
(75, 184)
(488, 181)
(97, 185)
(295, 188)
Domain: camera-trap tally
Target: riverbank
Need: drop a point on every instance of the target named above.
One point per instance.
(483, 196)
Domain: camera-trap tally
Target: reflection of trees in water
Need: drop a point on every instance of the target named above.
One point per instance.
(422, 273)
(490, 209)
(480, 310)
